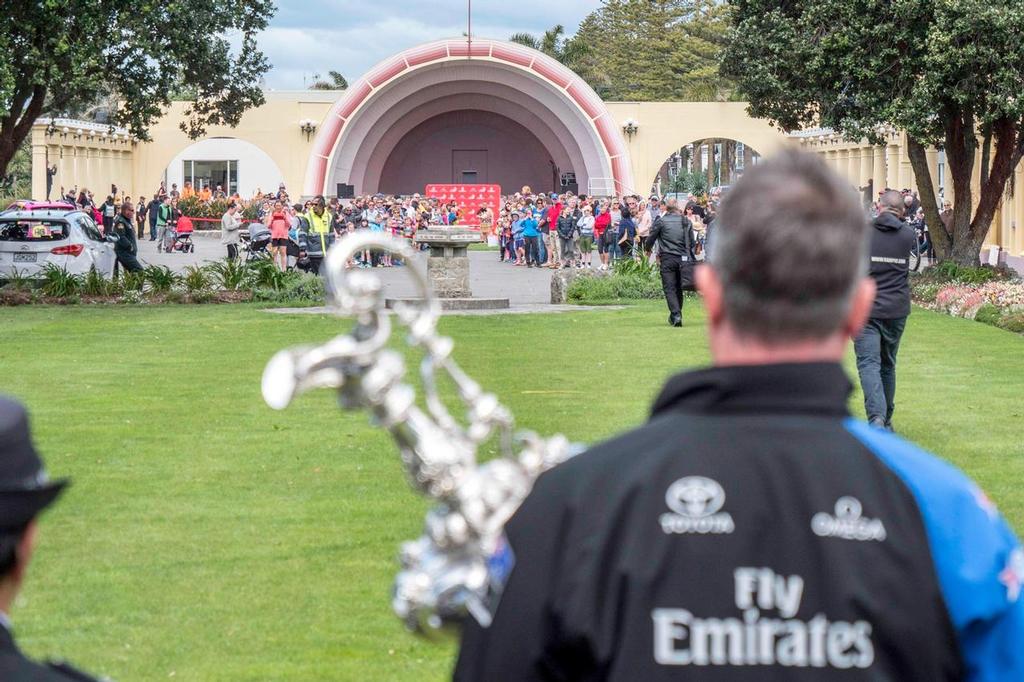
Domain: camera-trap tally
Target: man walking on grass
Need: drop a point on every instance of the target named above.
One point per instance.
(876, 346)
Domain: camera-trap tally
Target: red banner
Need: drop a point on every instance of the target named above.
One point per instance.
(469, 199)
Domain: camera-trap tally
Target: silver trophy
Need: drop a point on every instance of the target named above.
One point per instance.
(454, 569)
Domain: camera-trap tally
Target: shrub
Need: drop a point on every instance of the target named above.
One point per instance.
(950, 272)
(194, 207)
(591, 289)
(18, 280)
(299, 288)
(59, 283)
(175, 296)
(132, 296)
(925, 292)
(989, 314)
(197, 279)
(132, 281)
(202, 296)
(160, 278)
(95, 284)
(264, 274)
(229, 274)
(1013, 322)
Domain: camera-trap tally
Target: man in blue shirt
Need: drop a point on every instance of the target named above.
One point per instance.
(531, 234)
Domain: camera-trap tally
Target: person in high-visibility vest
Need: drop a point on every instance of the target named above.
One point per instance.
(315, 236)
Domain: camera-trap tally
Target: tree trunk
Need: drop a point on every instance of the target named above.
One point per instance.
(962, 242)
(925, 186)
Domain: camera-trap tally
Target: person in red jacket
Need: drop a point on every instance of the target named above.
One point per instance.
(554, 247)
(602, 222)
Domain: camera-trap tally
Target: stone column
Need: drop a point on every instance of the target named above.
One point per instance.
(38, 164)
(854, 165)
(878, 169)
(866, 160)
(892, 164)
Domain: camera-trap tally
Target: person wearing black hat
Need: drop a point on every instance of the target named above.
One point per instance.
(25, 491)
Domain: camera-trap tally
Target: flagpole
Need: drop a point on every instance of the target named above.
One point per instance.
(469, 29)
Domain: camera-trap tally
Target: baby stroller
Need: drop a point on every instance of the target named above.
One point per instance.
(183, 236)
(255, 240)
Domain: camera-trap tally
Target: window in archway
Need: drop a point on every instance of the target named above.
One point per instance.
(211, 174)
(703, 166)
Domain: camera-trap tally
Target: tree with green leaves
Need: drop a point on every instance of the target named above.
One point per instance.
(60, 57)
(572, 52)
(948, 73)
(658, 50)
(334, 81)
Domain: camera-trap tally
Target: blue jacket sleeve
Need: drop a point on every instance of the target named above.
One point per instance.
(978, 560)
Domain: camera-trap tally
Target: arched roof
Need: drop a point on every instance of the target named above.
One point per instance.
(530, 87)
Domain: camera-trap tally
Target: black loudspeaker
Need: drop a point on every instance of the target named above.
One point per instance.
(346, 191)
(573, 187)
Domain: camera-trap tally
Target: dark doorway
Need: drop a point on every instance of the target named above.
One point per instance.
(469, 165)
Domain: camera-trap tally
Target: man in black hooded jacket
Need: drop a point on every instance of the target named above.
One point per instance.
(673, 233)
(892, 242)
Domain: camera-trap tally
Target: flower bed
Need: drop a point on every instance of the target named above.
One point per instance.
(996, 301)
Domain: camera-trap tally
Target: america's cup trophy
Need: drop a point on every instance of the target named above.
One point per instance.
(455, 569)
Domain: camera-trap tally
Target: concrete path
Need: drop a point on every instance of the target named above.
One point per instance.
(489, 278)
(523, 309)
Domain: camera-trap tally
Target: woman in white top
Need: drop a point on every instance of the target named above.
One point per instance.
(586, 225)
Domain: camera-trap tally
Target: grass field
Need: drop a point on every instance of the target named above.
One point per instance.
(206, 537)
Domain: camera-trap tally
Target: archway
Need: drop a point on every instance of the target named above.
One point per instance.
(448, 95)
(704, 165)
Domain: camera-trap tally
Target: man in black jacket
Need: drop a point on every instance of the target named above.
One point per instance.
(127, 247)
(752, 530)
(25, 491)
(892, 242)
(673, 233)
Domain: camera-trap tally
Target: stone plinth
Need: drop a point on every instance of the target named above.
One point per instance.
(448, 259)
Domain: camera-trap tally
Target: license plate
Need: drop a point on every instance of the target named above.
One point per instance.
(24, 258)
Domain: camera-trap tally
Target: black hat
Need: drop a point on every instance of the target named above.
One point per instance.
(25, 489)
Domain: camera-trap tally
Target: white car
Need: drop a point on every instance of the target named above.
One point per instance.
(68, 239)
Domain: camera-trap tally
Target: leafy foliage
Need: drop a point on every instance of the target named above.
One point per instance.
(59, 283)
(945, 72)
(95, 284)
(160, 278)
(197, 279)
(60, 56)
(229, 274)
(645, 50)
(194, 207)
(629, 285)
(334, 81)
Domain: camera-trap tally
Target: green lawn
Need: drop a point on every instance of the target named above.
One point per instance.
(207, 537)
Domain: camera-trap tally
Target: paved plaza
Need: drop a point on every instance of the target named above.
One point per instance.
(489, 278)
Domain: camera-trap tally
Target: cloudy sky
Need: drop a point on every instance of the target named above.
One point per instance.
(350, 36)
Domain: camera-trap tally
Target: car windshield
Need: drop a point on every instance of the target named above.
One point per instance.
(33, 230)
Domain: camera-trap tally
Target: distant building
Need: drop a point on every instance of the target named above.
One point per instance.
(451, 111)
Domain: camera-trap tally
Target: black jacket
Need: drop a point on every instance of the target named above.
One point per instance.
(15, 667)
(892, 242)
(674, 233)
(125, 232)
(566, 226)
(752, 530)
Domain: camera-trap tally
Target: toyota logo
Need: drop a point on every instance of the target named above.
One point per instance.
(695, 496)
